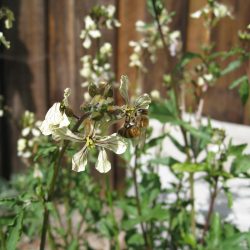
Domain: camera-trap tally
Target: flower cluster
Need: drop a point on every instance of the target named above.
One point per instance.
(151, 41)
(101, 113)
(98, 68)
(30, 135)
(8, 17)
(212, 13)
(100, 17)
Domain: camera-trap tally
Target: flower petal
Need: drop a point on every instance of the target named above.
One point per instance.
(45, 128)
(95, 33)
(103, 165)
(86, 43)
(66, 134)
(79, 160)
(113, 142)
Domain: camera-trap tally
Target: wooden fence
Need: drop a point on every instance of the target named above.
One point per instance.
(46, 49)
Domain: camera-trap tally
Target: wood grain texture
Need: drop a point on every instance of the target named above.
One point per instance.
(24, 71)
(222, 103)
(46, 51)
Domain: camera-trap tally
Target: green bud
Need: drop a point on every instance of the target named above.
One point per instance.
(92, 89)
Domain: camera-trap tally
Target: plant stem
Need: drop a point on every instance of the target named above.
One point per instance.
(159, 28)
(210, 210)
(138, 203)
(53, 184)
(111, 205)
(191, 183)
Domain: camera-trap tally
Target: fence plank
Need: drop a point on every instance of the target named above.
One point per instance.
(24, 70)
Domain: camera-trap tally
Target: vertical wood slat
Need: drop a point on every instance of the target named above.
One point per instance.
(24, 71)
(226, 37)
(154, 77)
(41, 46)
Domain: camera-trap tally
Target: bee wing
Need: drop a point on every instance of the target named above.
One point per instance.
(124, 88)
(142, 102)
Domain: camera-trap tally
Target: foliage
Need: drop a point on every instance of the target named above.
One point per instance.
(81, 210)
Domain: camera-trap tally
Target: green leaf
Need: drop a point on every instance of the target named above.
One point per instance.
(194, 131)
(238, 81)
(15, 232)
(136, 239)
(166, 161)
(190, 167)
(244, 91)
(215, 233)
(154, 141)
(158, 6)
(190, 240)
(231, 67)
(163, 111)
(237, 150)
(186, 58)
(241, 164)
(235, 242)
(73, 245)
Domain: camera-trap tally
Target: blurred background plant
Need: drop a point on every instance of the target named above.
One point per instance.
(86, 212)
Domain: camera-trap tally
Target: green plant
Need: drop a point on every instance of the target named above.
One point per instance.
(81, 212)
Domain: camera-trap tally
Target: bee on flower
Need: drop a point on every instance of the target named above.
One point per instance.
(135, 113)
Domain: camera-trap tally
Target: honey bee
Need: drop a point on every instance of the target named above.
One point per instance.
(135, 125)
(142, 120)
(129, 131)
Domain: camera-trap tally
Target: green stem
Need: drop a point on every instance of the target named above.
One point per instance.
(210, 210)
(53, 184)
(111, 205)
(191, 183)
(138, 202)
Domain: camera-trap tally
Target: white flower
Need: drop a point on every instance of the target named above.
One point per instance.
(35, 132)
(175, 42)
(155, 94)
(197, 14)
(208, 77)
(54, 120)
(113, 142)
(90, 31)
(106, 49)
(26, 154)
(201, 81)
(86, 97)
(21, 145)
(1, 113)
(25, 131)
(37, 172)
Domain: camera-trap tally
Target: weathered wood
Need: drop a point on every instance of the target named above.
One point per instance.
(226, 37)
(46, 51)
(24, 70)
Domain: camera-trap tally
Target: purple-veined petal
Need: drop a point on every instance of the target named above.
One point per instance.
(103, 165)
(79, 160)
